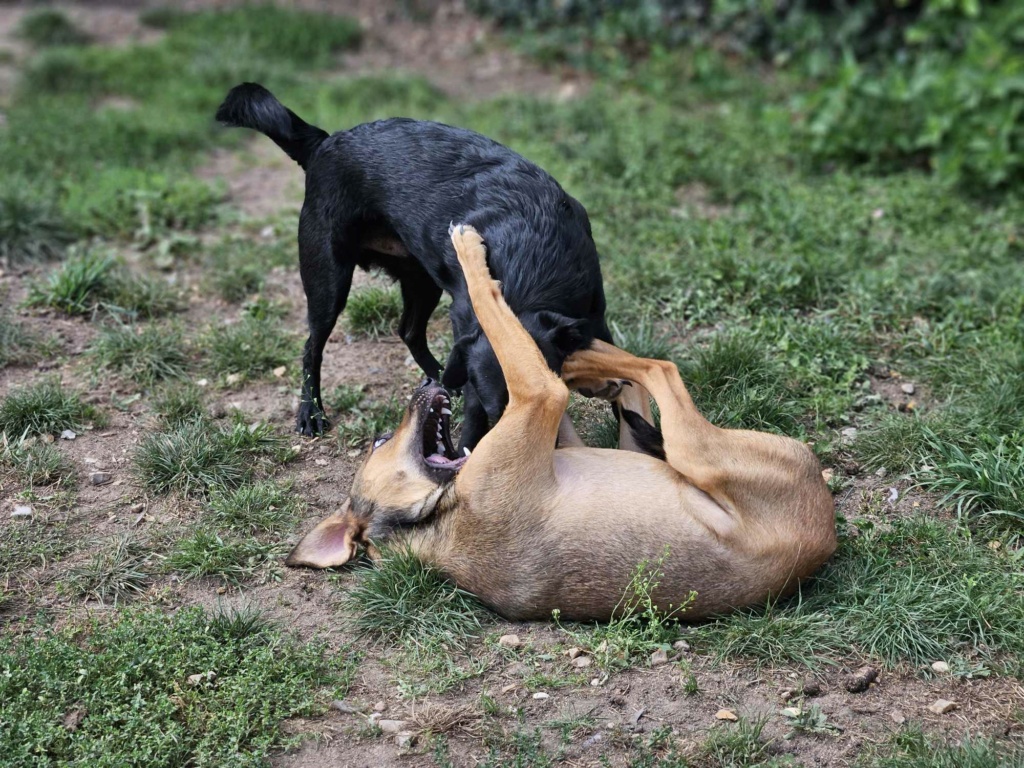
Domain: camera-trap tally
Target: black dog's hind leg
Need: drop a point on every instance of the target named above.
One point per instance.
(420, 296)
(327, 281)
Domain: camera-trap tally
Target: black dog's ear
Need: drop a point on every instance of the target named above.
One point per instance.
(565, 334)
(456, 370)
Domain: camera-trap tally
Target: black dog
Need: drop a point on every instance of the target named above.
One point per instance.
(381, 195)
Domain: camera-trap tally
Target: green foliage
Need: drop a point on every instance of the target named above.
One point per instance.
(47, 27)
(19, 346)
(261, 507)
(44, 408)
(955, 108)
(35, 463)
(402, 600)
(196, 456)
(126, 683)
(178, 404)
(145, 354)
(374, 311)
(94, 280)
(911, 748)
(116, 572)
(638, 627)
(240, 267)
(251, 347)
(205, 553)
(362, 424)
(30, 228)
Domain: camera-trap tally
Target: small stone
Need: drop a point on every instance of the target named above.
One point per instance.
(67, 434)
(861, 680)
(881, 472)
(582, 662)
(136, 509)
(405, 739)
(509, 641)
(22, 511)
(280, 371)
(659, 657)
(726, 714)
(786, 694)
(233, 378)
(392, 726)
(908, 388)
(267, 232)
(572, 653)
(942, 706)
(380, 706)
(100, 478)
(345, 708)
(940, 667)
(540, 695)
(681, 645)
(74, 718)
(849, 434)
(897, 717)
(203, 383)
(202, 677)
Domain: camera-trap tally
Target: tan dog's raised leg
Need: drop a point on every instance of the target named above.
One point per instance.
(521, 444)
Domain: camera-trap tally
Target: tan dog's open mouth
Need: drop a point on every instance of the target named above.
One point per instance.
(439, 453)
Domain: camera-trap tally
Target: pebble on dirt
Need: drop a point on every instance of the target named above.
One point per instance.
(861, 680)
(659, 657)
(100, 478)
(942, 706)
(67, 434)
(940, 667)
(509, 641)
(726, 714)
(540, 695)
(346, 708)
(392, 726)
(22, 511)
(582, 661)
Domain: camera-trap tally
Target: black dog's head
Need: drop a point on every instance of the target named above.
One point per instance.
(473, 361)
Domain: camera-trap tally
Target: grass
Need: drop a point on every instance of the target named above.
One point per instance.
(45, 408)
(251, 347)
(910, 592)
(129, 675)
(374, 311)
(911, 748)
(144, 354)
(196, 457)
(238, 268)
(92, 280)
(401, 600)
(178, 404)
(261, 507)
(49, 27)
(35, 463)
(31, 229)
(35, 543)
(740, 745)
(19, 346)
(361, 424)
(118, 571)
(205, 553)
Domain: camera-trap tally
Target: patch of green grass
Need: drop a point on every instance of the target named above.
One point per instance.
(897, 443)
(117, 572)
(19, 346)
(197, 456)
(362, 425)
(374, 311)
(911, 748)
(93, 280)
(261, 507)
(31, 229)
(740, 745)
(239, 268)
(644, 339)
(401, 600)
(909, 592)
(35, 463)
(178, 404)
(251, 347)
(44, 408)
(205, 553)
(637, 627)
(145, 354)
(129, 674)
(32, 543)
(50, 27)
(345, 398)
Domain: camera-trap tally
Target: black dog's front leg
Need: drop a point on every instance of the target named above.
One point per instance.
(420, 296)
(475, 423)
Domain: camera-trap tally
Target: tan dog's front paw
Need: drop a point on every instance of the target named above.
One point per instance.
(469, 246)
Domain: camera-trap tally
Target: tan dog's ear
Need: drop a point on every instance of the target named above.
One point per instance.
(331, 544)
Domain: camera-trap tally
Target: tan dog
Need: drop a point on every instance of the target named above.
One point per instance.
(743, 516)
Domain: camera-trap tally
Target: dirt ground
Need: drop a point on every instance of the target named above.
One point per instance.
(461, 55)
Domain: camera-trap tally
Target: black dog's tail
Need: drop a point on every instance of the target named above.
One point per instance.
(250, 105)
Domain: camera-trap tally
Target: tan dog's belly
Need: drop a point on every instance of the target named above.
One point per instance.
(613, 512)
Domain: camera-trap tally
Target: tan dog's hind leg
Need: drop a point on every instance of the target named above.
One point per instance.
(521, 444)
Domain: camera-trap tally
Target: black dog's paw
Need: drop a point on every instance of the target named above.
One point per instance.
(311, 421)
(610, 391)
